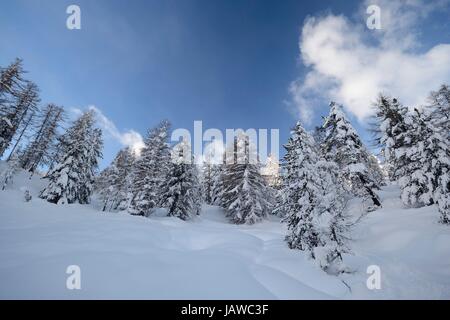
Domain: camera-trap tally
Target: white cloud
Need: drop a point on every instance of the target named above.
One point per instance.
(344, 66)
(76, 111)
(129, 138)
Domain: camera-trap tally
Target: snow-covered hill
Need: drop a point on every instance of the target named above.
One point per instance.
(122, 256)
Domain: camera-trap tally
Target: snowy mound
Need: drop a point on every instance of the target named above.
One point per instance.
(123, 256)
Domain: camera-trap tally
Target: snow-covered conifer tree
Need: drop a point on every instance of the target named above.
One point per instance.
(314, 202)
(21, 132)
(181, 191)
(70, 181)
(245, 195)
(93, 155)
(11, 83)
(319, 135)
(343, 146)
(331, 220)
(389, 128)
(439, 105)
(39, 150)
(113, 182)
(300, 186)
(442, 196)
(150, 171)
(17, 113)
(11, 77)
(428, 152)
(416, 181)
(7, 174)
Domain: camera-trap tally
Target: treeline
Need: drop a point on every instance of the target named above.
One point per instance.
(27, 129)
(165, 177)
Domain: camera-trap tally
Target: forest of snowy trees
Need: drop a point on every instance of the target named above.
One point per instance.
(320, 171)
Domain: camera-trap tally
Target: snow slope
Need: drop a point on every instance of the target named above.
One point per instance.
(125, 257)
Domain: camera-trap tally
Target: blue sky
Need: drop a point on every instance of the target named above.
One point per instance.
(227, 63)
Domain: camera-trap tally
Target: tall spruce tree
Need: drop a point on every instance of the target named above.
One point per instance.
(17, 113)
(11, 84)
(113, 182)
(27, 124)
(245, 194)
(11, 77)
(332, 220)
(70, 181)
(314, 202)
(93, 155)
(343, 146)
(439, 106)
(389, 129)
(300, 185)
(181, 191)
(150, 171)
(13, 102)
(425, 179)
(39, 150)
(416, 181)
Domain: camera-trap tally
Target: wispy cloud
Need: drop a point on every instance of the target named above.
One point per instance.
(129, 138)
(344, 66)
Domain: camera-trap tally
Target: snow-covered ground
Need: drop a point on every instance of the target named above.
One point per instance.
(122, 256)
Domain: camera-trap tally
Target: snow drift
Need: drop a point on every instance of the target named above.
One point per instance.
(125, 257)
